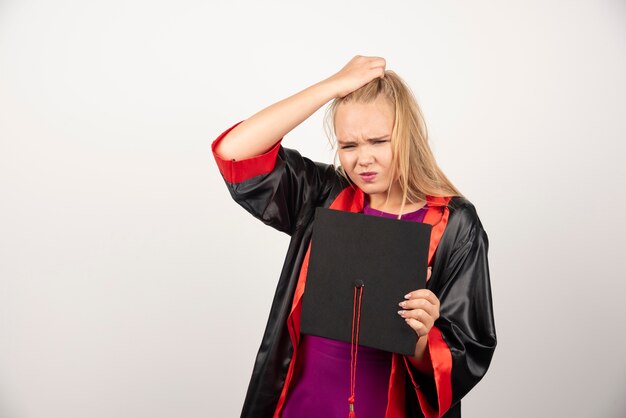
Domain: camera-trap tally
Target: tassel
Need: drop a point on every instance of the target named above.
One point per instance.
(354, 345)
(351, 401)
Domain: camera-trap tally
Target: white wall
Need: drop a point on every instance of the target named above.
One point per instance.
(132, 286)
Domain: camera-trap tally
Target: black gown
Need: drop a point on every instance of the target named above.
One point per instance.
(282, 189)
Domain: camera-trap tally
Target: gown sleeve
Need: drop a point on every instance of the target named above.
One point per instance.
(280, 187)
(463, 339)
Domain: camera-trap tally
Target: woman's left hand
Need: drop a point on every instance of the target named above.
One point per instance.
(420, 310)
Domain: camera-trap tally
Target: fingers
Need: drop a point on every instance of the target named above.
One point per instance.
(378, 63)
(419, 328)
(420, 315)
(422, 294)
(429, 273)
(423, 304)
(357, 72)
(366, 62)
(373, 66)
(373, 62)
(420, 310)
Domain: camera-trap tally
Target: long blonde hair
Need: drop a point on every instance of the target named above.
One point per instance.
(413, 160)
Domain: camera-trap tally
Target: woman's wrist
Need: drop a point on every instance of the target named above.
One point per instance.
(421, 360)
(328, 89)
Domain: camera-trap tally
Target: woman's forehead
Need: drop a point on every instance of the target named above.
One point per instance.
(363, 121)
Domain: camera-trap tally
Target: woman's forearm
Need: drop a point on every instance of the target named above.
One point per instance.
(257, 134)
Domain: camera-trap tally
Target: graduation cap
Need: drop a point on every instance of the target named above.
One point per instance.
(360, 267)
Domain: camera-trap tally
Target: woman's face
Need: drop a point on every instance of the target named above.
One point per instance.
(363, 133)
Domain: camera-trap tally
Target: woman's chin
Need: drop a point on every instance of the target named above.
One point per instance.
(371, 188)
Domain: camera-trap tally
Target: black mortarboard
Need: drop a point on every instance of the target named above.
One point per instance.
(388, 256)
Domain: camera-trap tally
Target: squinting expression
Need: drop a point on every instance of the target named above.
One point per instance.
(363, 133)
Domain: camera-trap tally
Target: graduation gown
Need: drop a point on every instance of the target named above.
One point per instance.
(282, 189)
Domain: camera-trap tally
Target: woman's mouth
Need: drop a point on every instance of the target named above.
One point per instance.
(368, 177)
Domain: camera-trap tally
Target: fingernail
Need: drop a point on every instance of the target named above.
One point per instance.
(400, 313)
(407, 296)
(402, 304)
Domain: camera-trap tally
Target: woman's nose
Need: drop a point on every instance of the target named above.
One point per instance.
(365, 158)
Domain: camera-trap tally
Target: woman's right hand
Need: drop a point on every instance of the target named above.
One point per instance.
(356, 73)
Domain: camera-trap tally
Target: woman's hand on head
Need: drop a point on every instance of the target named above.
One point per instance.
(420, 309)
(356, 73)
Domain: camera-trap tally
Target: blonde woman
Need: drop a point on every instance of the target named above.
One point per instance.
(386, 169)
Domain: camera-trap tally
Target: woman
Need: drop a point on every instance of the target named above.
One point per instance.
(386, 169)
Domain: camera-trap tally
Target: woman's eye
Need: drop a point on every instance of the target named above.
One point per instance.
(379, 142)
(347, 146)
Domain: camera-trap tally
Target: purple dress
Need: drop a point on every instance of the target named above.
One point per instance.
(321, 383)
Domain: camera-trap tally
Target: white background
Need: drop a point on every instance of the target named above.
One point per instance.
(131, 285)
